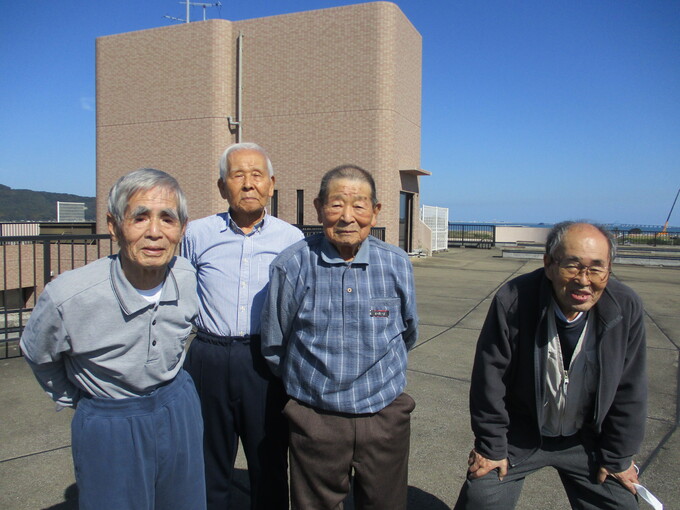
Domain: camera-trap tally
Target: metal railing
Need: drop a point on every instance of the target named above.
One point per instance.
(466, 235)
(27, 264)
(310, 230)
(642, 237)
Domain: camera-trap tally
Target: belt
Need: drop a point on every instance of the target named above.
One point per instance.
(204, 336)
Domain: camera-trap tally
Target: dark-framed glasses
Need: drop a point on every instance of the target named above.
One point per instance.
(571, 269)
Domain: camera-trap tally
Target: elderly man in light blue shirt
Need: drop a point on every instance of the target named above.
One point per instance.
(339, 319)
(109, 338)
(231, 252)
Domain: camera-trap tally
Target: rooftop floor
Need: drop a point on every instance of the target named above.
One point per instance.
(454, 290)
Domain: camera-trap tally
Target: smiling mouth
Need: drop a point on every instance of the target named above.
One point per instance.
(580, 296)
(153, 250)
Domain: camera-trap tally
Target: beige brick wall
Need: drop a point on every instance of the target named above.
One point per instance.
(320, 88)
(163, 97)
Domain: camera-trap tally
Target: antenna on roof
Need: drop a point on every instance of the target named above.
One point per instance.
(189, 4)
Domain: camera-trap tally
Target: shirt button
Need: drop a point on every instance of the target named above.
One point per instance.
(153, 343)
(154, 322)
(349, 289)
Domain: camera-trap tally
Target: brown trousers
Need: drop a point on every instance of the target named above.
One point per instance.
(325, 448)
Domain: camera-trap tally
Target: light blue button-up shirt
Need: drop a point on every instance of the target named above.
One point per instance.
(338, 332)
(233, 270)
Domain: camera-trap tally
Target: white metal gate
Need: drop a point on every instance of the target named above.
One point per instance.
(437, 219)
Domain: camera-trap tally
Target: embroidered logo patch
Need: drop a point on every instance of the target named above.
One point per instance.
(380, 313)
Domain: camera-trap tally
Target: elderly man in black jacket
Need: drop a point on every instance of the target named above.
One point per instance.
(559, 380)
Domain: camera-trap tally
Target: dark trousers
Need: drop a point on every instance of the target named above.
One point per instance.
(577, 470)
(140, 453)
(240, 398)
(325, 448)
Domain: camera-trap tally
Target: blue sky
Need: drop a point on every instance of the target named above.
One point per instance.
(532, 110)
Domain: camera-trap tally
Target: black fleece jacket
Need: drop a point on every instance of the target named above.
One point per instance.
(508, 383)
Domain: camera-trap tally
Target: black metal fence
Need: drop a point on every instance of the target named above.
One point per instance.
(464, 235)
(28, 263)
(310, 230)
(642, 237)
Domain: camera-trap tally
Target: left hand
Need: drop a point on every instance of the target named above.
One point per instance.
(626, 478)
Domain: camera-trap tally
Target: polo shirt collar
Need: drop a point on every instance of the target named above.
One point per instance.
(330, 254)
(129, 299)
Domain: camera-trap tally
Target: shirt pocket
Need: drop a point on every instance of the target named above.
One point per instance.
(384, 318)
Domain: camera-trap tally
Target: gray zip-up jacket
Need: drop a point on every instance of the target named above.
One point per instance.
(508, 377)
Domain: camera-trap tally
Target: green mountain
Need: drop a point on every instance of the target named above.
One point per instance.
(27, 205)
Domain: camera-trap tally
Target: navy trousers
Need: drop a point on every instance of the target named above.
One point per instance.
(240, 398)
(577, 469)
(140, 453)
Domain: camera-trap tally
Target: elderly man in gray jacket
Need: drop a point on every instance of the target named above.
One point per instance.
(559, 380)
(108, 339)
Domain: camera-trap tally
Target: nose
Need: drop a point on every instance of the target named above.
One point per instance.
(247, 182)
(154, 228)
(583, 276)
(347, 215)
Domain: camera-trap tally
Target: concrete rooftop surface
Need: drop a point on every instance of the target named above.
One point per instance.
(454, 290)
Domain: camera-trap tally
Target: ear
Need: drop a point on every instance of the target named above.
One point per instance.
(113, 228)
(271, 186)
(376, 209)
(222, 186)
(319, 209)
(547, 265)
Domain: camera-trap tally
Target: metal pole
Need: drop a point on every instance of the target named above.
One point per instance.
(239, 86)
(47, 263)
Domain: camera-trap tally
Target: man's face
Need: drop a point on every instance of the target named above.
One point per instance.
(348, 215)
(148, 236)
(582, 246)
(248, 185)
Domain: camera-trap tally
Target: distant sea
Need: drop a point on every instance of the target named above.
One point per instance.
(610, 226)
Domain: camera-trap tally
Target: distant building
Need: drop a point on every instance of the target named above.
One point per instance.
(316, 89)
(68, 212)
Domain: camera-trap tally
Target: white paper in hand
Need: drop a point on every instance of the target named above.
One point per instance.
(648, 496)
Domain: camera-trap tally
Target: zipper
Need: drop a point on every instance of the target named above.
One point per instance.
(565, 382)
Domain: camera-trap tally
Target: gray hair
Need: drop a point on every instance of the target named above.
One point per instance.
(224, 160)
(556, 237)
(144, 179)
(352, 172)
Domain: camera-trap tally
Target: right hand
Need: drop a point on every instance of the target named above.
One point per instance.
(478, 466)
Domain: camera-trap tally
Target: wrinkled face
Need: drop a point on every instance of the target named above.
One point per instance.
(248, 185)
(348, 215)
(583, 246)
(148, 236)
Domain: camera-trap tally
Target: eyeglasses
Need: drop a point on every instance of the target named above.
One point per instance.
(571, 269)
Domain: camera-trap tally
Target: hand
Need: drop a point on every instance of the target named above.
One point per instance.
(478, 466)
(626, 478)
